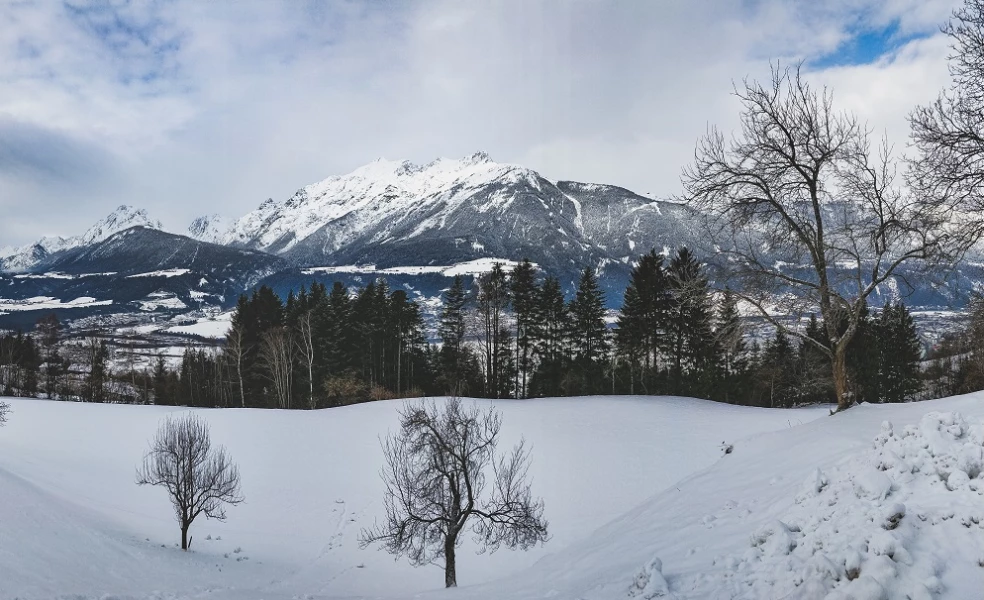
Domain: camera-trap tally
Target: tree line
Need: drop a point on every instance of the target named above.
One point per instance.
(509, 334)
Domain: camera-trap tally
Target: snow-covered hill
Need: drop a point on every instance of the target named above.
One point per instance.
(311, 482)
(879, 502)
(395, 214)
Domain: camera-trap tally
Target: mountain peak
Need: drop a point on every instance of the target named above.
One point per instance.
(477, 157)
(124, 217)
(208, 228)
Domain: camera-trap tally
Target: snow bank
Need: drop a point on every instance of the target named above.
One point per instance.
(885, 524)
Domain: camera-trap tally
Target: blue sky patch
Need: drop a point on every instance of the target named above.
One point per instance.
(865, 46)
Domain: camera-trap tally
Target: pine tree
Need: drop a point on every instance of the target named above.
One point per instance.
(733, 361)
(901, 352)
(642, 321)
(493, 301)
(523, 290)
(815, 383)
(550, 339)
(588, 333)
(777, 372)
(451, 329)
(691, 343)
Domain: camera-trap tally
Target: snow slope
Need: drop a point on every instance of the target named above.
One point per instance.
(311, 481)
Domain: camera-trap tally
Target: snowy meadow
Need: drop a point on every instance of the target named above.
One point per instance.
(642, 500)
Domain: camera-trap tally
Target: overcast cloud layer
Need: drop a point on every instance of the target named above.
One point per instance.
(187, 108)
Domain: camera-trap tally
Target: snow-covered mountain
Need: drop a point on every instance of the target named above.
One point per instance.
(209, 228)
(449, 211)
(28, 256)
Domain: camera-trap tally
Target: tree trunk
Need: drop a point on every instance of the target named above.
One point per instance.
(840, 377)
(184, 535)
(450, 577)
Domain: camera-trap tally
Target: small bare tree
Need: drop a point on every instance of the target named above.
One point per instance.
(306, 346)
(4, 412)
(806, 215)
(237, 348)
(199, 478)
(435, 476)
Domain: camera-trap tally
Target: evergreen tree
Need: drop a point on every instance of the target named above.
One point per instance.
(550, 339)
(691, 343)
(777, 373)
(642, 322)
(900, 353)
(523, 290)
(493, 301)
(94, 386)
(588, 333)
(453, 357)
(815, 384)
(733, 361)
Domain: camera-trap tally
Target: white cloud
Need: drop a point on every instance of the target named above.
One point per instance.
(200, 107)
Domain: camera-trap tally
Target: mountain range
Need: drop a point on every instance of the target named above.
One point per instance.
(412, 223)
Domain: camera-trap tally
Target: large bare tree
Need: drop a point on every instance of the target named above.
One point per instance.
(806, 214)
(436, 476)
(948, 134)
(199, 478)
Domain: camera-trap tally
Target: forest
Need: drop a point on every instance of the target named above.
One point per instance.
(511, 334)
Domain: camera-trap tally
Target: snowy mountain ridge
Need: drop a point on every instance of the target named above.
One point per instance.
(124, 217)
(397, 213)
(384, 187)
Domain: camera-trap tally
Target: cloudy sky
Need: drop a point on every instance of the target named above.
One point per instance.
(186, 108)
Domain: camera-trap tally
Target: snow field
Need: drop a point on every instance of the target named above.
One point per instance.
(311, 482)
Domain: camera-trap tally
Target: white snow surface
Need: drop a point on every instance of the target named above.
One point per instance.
(876, 502)
(311, 482)
(162, 273)
(47, 303)
(471, 267)
(215, 327)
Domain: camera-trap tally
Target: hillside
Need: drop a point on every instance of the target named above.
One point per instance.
(311, 481)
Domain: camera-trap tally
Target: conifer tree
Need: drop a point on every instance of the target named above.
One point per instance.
(691, 343)
(550, 339)
(588, 332)
(777, 372)
(815, 383)
(493, 301)
(523, 290)
(451, 330)
(729, 333)
(901, 352)
(642, 321)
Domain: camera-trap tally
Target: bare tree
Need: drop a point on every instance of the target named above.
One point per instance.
(948, 134)
(807, 217)
(237, 348)
(277, 353)
(305, 345)
(4, 413)
(435, 476)
(199, 479)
